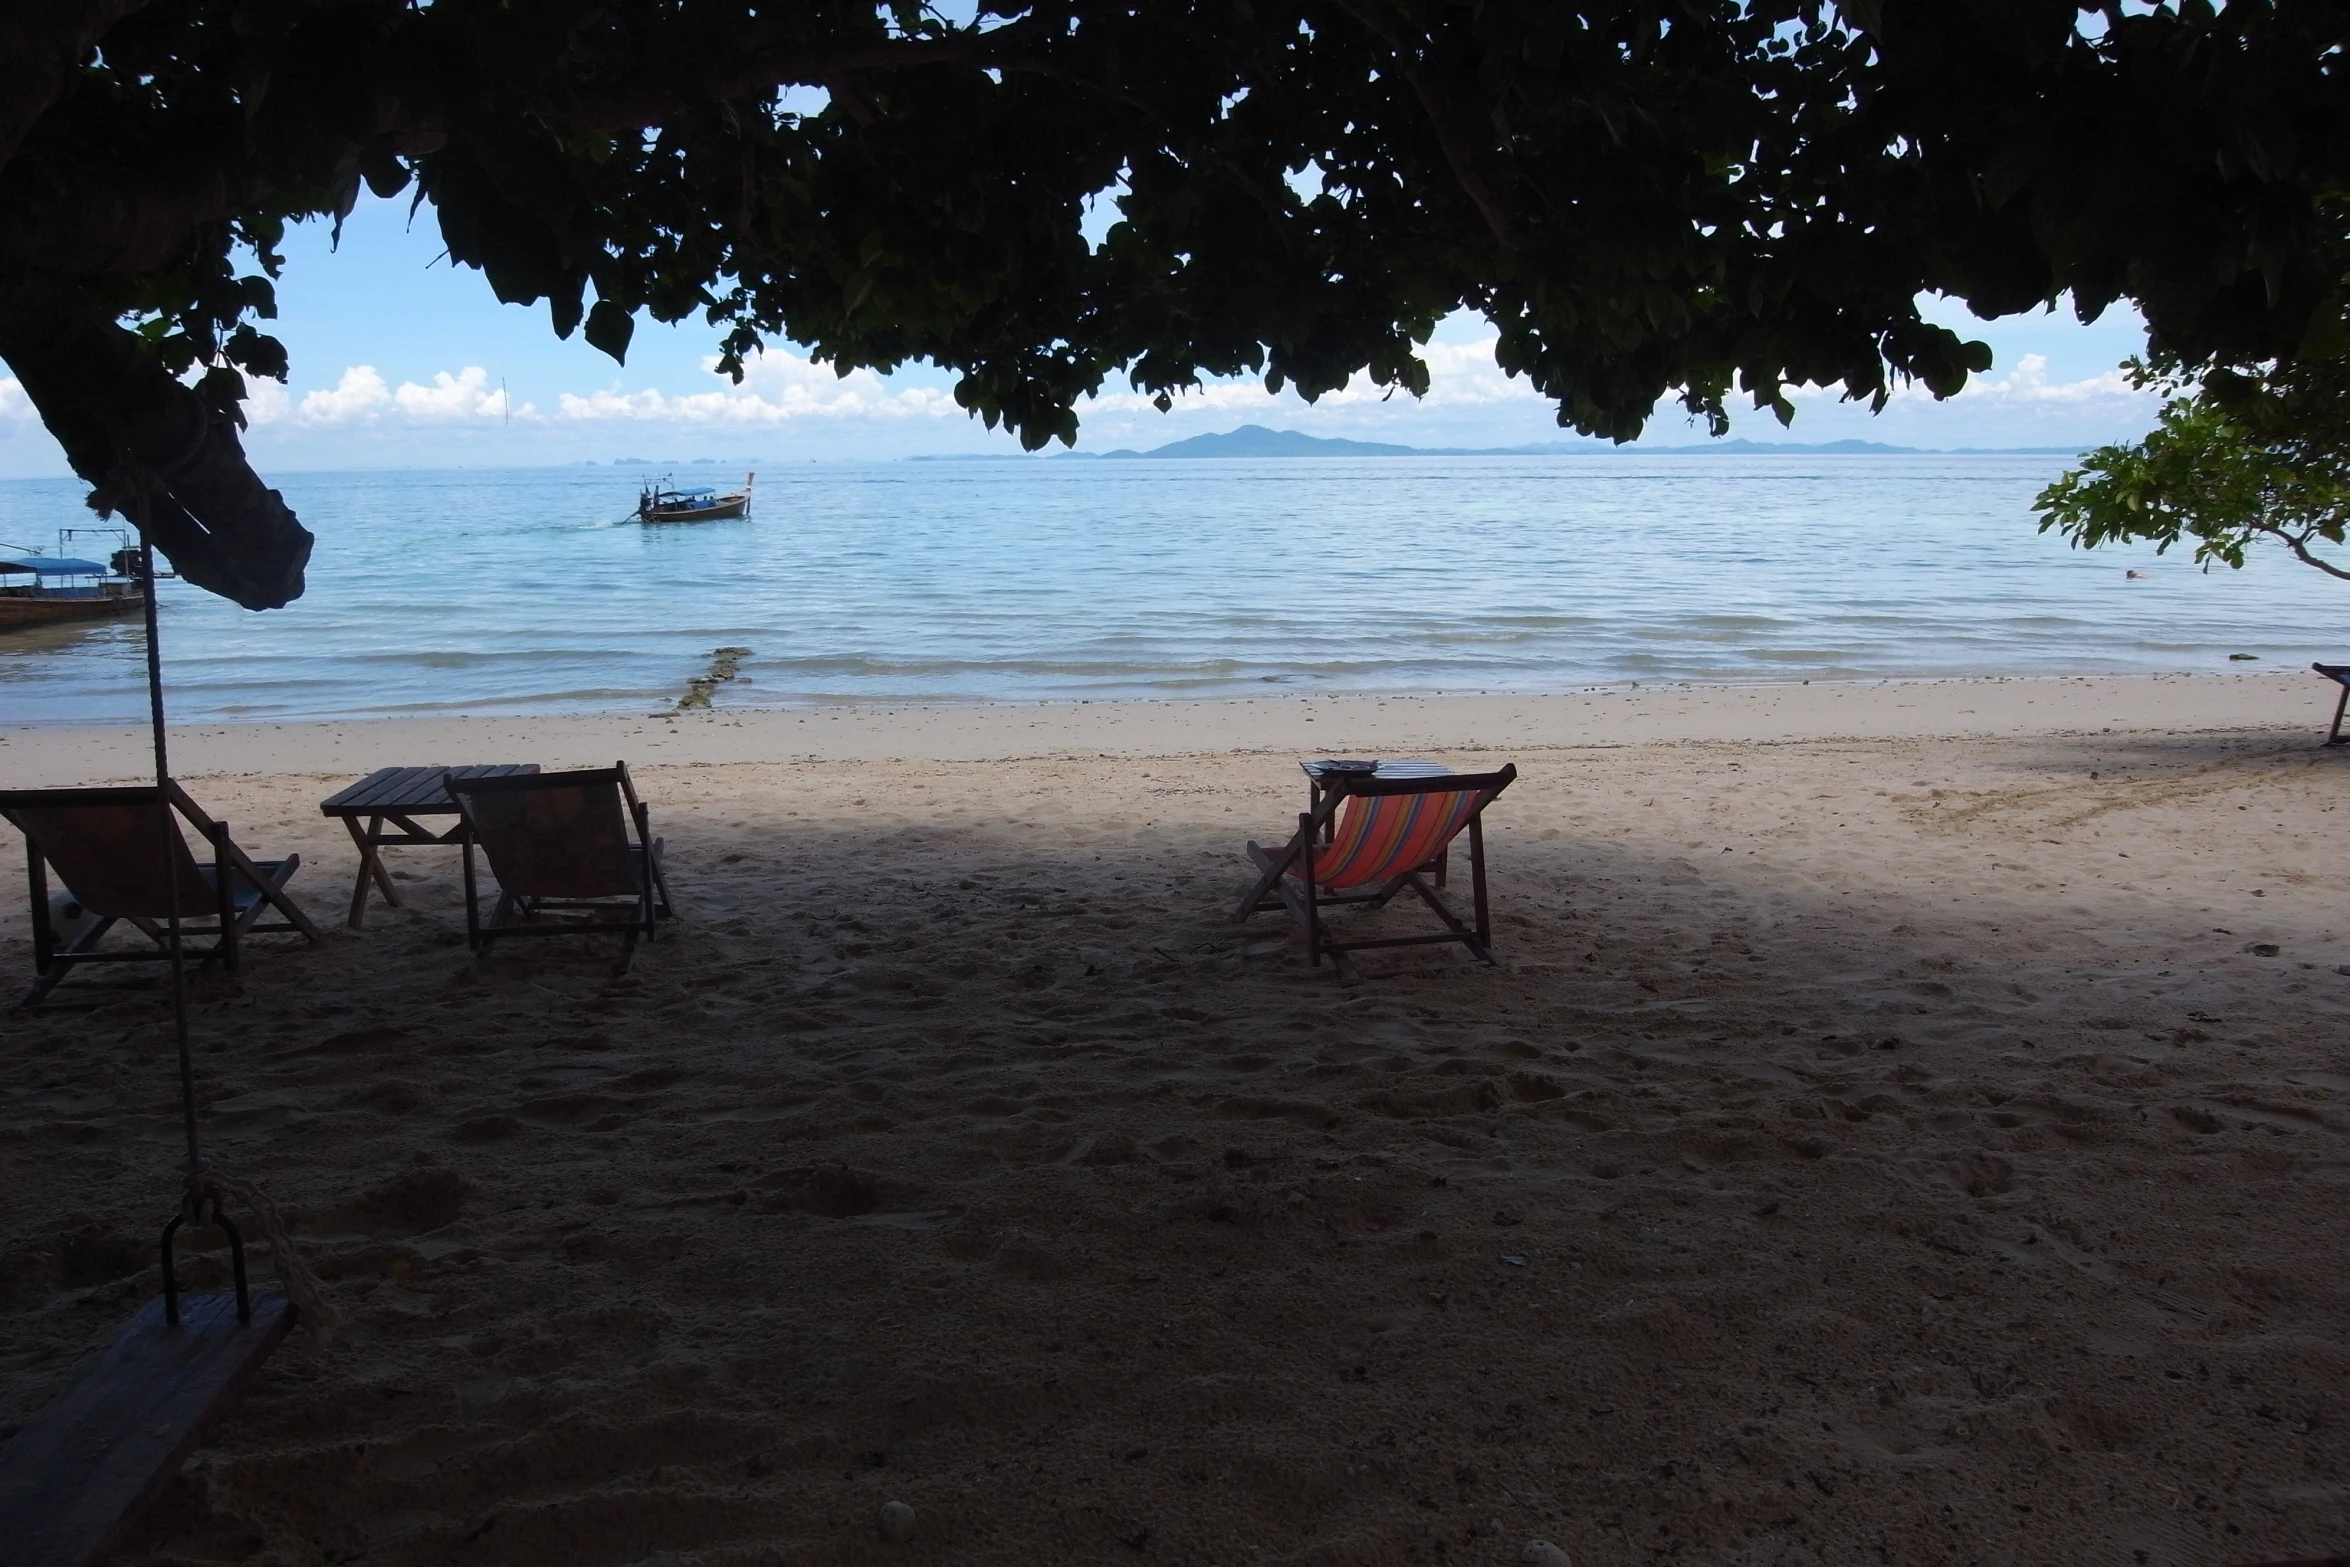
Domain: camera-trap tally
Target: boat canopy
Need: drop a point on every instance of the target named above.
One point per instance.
(54, 566)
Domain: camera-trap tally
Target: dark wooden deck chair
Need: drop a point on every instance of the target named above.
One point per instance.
(559, 845)
(108, 848)
(2339, 674)
(1389, 833)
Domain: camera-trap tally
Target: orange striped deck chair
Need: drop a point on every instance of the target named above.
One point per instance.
(1388, 833)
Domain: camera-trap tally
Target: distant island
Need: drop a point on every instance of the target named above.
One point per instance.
(1255, 440)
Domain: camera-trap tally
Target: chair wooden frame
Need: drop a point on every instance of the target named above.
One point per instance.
(2339, 674)
(239, 888)
(1305, 898)
(518, 911)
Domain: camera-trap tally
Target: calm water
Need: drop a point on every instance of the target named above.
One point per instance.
(522, 591)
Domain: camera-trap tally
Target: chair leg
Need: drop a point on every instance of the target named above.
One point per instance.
(656, 887)
(1483, 912)
(509, 911)
(1272, 866)
(472, 901)
(224, 886)
(43, 983)
(47, 977)
(253, 910)
(660, 881)
(37, 887)
(269, 884)
(1466, 933)
(1477, 934)
(2334, 735)
(274, 894)
(646, 916)
(1305, 831)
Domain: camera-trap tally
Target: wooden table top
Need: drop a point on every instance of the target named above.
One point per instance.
(1389, 767)
(411, 791)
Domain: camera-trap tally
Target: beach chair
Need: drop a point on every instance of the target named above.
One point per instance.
(2339, 674)
(1388, 833)
(109, 848)
(559, 845)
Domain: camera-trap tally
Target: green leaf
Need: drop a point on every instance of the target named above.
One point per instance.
(609, 328)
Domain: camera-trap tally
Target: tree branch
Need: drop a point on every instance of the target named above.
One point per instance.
(150, 447)
(763, 66)
(43, 41)
(1369, 14)
(90, 222)
(2300, 549)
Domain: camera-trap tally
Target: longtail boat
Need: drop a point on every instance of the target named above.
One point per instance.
(37, 590)
(693, 505)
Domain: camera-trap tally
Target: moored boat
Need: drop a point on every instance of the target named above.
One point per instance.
(39, 590)
(693, 505)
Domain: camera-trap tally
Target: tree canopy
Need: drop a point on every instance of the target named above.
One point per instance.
(1647, 198)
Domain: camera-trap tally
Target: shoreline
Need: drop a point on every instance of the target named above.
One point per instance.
(1983, 707)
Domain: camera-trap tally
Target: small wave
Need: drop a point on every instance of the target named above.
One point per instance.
(925, 583)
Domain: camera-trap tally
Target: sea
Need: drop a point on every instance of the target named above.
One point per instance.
(527, 591)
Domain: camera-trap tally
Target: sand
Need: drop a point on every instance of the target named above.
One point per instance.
(1285, 726)
(1895, 1133)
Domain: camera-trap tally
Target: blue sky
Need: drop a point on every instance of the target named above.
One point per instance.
(401, 360)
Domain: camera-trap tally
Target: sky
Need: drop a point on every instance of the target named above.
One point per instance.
(400, 360)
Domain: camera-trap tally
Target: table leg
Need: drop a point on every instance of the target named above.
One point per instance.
(370, 865)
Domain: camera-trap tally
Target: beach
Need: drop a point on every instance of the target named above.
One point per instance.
(1907, 1123)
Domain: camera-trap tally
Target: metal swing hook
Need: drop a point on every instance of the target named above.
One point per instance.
(201, 1208)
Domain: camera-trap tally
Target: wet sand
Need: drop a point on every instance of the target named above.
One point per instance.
(1878, 1144)
(1286, 726)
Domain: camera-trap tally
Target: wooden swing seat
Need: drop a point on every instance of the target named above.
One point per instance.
(105, 1448)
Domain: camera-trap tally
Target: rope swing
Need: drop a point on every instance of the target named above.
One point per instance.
(205, 1189)
(73, 1478)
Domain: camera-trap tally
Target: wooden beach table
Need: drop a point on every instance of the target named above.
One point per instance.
(1322, 781)
(400, 795)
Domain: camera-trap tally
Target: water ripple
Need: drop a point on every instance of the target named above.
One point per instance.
(520, 591)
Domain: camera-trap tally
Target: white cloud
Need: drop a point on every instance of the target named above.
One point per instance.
(2028, 383)
(2025, 386)
(266, 402)
(465, 395)
(1464, 373)
(363, 396)
(1460, 375)
(1469, 402)
(777, 386)
(359, 393)
(13, 402)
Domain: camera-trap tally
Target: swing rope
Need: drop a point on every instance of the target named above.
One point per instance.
(204, 1189)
